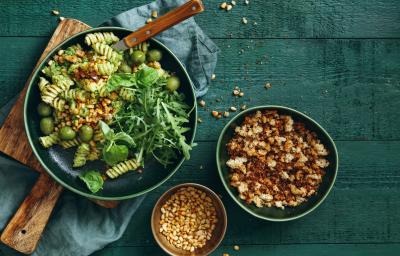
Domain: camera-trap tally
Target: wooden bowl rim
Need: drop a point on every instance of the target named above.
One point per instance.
(209, 192)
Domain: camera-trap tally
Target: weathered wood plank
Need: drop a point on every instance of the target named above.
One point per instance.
(275, 18)
(350, 86)
(272, 250)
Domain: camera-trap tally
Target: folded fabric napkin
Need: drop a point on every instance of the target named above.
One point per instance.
(77, 225)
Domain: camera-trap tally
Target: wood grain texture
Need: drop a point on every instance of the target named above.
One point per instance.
(275, 18)
(281, 250)
(25, 228)
(350, 86)
(341, 67)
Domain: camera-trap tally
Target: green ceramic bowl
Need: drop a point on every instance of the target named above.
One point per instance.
(273, 213)
(58, 162)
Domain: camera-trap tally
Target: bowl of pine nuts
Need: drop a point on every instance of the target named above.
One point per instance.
(189, 219)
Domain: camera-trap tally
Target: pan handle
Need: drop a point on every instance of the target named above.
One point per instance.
(164, 22)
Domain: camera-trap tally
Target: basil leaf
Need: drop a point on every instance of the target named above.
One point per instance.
(147, 76)
(120, 80)
(122, 136)
(115, 154)
(93, 180)
(106, 130)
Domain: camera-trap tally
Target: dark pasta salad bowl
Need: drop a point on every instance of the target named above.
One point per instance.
(110, 125)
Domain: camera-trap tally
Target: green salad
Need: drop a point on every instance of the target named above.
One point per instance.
(118, 107)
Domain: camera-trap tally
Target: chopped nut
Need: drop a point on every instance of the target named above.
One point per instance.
(214, 113)
(233, 109)
(149, 20)
(202, 103)
(55, 12)
(213, 77)
(243, 107)
(267, 85)
(241, 94)
(236, 92)
(154, 14)
(244, 20)
(223, 5)
(61, 18)
(226, 114)
(229, 7)
(199, 120)
(236, 248)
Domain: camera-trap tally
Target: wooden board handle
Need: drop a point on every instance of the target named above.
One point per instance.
(164, 22)
(25, 228)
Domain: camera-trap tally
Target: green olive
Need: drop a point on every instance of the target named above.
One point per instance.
(173, 83)
(43, 109)
(66, 133)
(46, 125)
(138, 57)
(125, 68)
(154, 55)
(86, 133)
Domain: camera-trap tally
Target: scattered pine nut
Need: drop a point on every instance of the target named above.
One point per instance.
(267, 85)
(236, 92)
(199, 120)
(229, 7)
(243, 107)
(214, 113)
(149, 20)
(202, 103)
(233, 3)
(225, 254)
(154, 14)
(244, 20)
(236, 248)
(213, 76)
(246, 2)
(226, 114)
(241, 94)
(233, 109)
(61, 18)
(223, 5)
(55, 12)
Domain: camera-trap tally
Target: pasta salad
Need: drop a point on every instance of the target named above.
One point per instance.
(117, 107)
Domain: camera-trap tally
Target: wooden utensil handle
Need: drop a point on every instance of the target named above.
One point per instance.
(25, 228)
(164, 22)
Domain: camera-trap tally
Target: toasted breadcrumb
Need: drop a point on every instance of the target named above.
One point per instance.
(275, 161)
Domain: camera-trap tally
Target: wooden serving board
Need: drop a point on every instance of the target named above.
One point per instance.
(25, 228)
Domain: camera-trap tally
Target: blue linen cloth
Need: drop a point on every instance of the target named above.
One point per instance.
(77, 225)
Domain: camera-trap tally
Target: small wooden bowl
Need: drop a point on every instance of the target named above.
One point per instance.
(217, 235)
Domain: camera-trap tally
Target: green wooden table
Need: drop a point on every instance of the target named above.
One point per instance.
(338, 61)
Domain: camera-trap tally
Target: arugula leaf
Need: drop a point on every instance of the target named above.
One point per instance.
(93, 180)
(147, 76)
(115, 154)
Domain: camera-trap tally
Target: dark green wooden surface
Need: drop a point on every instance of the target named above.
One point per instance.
(338, 61)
